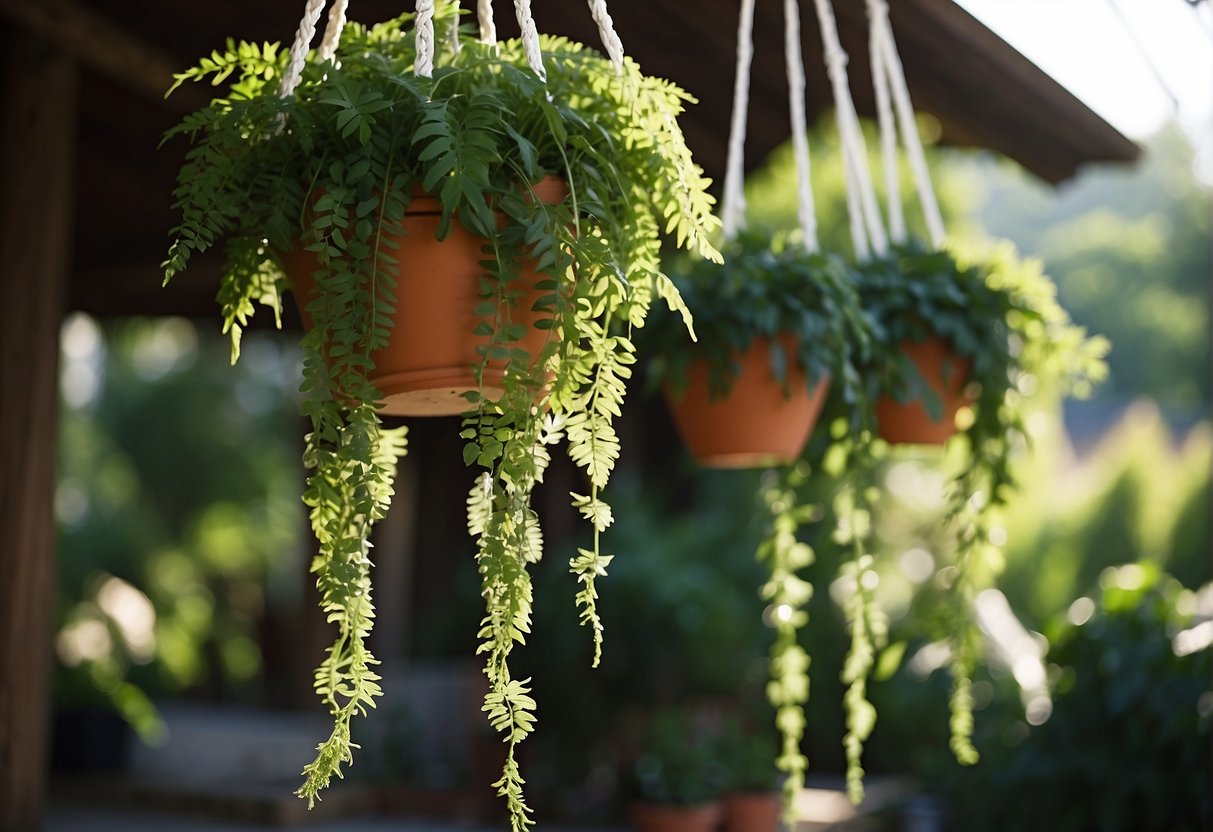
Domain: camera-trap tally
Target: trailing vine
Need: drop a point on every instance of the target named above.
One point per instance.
(865, 620)
(770, 286)
(1001, 314)
(327, 175)
(352, 458)
(788, 595)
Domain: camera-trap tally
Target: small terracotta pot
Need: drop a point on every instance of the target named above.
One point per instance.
(947, 374)
(752, 812)
(755, 424)
(670, 817)
(426, 366)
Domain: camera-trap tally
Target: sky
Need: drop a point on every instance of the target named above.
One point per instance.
(1137, 63)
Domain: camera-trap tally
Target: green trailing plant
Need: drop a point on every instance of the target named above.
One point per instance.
(767, 285)
(788, 595)
(333, 169)
(867, 625)
(786, 555)
(1001, 314)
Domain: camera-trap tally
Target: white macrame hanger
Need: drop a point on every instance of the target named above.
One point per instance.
(894, 81)
(530, 33)
(332, 32)
(327, 51)
(424, 65)
(424, 26)
(452, 33)
(530, 38)
(806, 212)
(484, 15)
(861, 199)
(300, 46)
(488, 34)
(606, 31)
(887, 125)
(733, 202)
(732, 208)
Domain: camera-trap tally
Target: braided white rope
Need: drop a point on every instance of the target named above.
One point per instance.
(530, 37)
(452, 33)
(859, 238)
(858, 158)
(909, 129)
(885, 118)
(606, 31)
(303, 40)
(424, 63)
(800, 139)
(332, 32)
(488, 29)
(732, 208)
(850, 137)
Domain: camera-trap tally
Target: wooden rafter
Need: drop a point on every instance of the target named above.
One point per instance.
(97, 43)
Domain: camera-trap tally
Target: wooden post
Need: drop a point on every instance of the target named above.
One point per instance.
(37, 151)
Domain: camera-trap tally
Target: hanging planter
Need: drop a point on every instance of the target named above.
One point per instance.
(325, 167)
(922, 363)
(942, 336)
(930, 417)
(1006, 331)
(762, 419)
(789, 313)
(978, 332)
(428, 366)
(774, 326)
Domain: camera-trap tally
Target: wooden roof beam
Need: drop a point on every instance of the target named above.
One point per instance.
(97, 43)
(1002, 100)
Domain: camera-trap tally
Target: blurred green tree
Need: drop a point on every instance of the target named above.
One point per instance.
(1132, 253)
(176, 485)
(1138, 496)
(1127, 744)
(1129, 247)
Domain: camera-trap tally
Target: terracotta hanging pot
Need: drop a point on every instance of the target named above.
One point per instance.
(427, 364)
(944, 372)
(756, 424)
(670, 817)
(752, 812)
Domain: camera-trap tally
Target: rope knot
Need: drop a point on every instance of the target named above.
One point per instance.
(837, 60)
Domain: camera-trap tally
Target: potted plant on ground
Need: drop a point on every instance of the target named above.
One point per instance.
(678, 775)
(775, 326)
(326, 177)
(752, 801)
